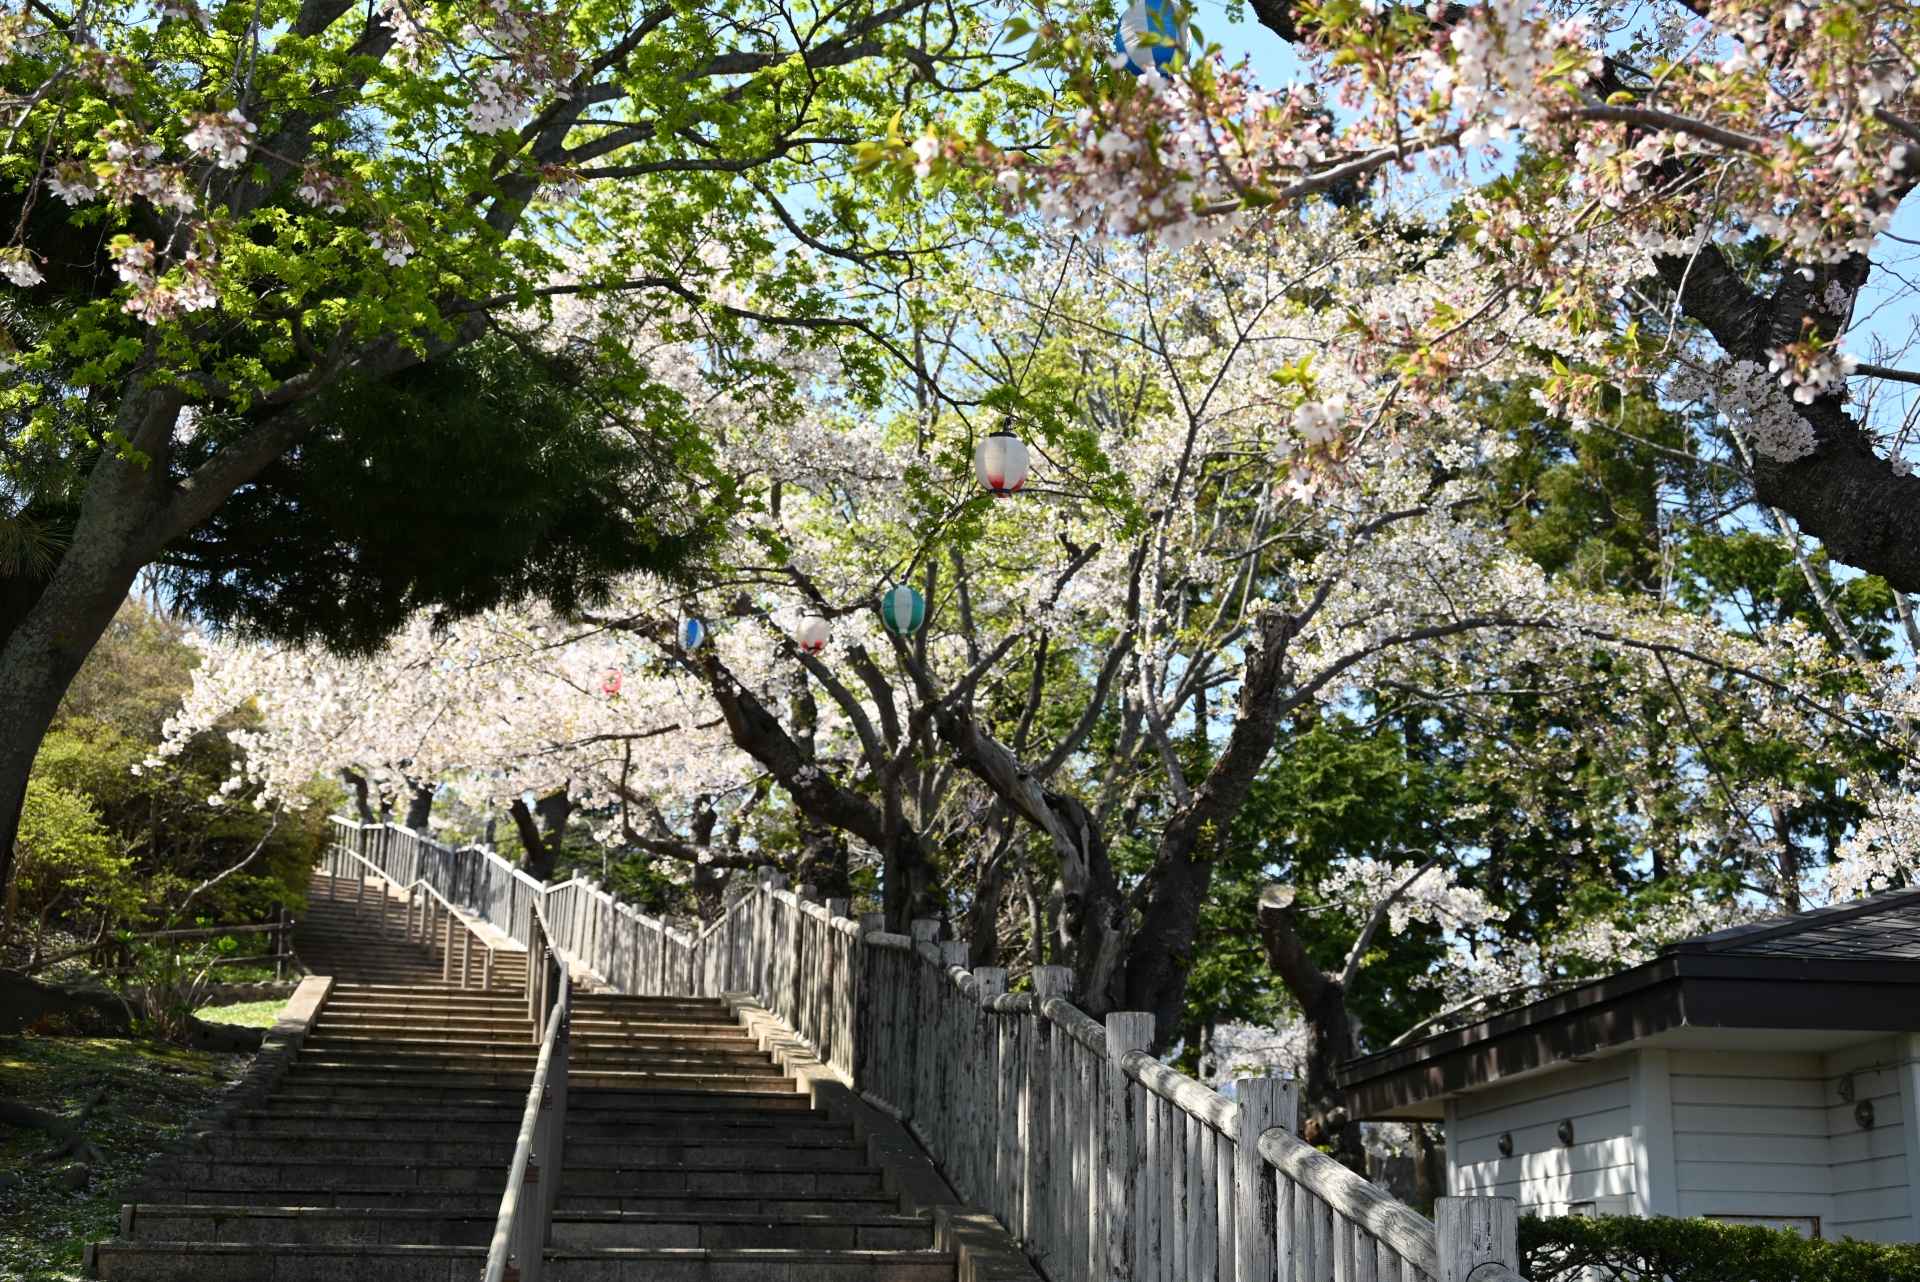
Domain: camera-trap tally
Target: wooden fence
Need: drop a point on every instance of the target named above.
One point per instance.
(1105, 1164)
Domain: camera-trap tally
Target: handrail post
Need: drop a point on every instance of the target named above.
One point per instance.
(1475, 1232)
(1127, 1030)
(1265, 1103)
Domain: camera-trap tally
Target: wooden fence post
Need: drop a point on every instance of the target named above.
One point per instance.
(1045, 1146)
(1265, 1103)
(1474, 1231)
(873, 923)
(1127, 1030)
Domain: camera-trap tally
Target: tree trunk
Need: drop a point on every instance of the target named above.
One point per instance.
(1322, 1000)
(1429, 1165)
(983, 915)
(125, 518)
(823, 860)
(357, 782)
(1181, 877)
(544, 840)
(420, 806)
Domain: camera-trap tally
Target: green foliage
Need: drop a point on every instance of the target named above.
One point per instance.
(66, 861)
(151, 833)
(493, 475)
(1674, 1250)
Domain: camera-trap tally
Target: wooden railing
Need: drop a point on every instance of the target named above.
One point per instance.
(524, 1225)
(1105, 1164)
(441, 927)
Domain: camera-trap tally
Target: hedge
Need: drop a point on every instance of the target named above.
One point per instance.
(1624, 1247)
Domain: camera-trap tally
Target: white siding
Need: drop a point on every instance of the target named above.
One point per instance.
(1727, 1133)
(1750, 1134)
(1871, 1198)
(1543, 1174)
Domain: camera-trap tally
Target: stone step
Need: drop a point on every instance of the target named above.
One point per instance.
(572, 1230)
(598, 1230)
(585, 1144)
(232, 1262)
(579, 1174)
(600, 1124)
(366, 1194)
(380, 1076)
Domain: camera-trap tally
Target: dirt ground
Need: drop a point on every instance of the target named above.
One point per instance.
(153, 1089)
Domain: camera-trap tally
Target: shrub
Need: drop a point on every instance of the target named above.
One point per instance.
(1635, 1250)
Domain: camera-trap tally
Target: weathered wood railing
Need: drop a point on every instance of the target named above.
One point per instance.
(524, 1225)
(1103, 1162)
(440, 927)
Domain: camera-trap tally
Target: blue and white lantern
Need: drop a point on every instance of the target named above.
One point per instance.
(693, 634)
(1160, 18)
(903, 610)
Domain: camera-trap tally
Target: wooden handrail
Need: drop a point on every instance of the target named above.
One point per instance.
(516, 1252)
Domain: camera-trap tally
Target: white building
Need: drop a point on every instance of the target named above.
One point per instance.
(1766, 1074)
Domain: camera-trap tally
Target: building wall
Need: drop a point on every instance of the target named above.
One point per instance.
(1544, 1175)
(1721, 1133)
(1872, 1191)
(1750, 1134)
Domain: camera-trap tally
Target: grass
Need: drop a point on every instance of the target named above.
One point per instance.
(251, 1014)
(153, 1090)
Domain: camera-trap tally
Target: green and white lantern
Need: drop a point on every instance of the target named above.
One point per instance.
(903, 610)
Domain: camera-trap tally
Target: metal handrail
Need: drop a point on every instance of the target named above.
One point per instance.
(521, 1230)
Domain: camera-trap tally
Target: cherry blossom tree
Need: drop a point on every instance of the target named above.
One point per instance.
(220, 221)
(1110, 659)
(1694, 191)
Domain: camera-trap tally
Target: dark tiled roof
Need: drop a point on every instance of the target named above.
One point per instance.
(1884, 925)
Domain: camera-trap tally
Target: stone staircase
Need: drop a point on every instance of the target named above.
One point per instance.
(382, 1155)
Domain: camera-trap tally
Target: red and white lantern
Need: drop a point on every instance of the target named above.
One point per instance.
(1000, 461)
(610, 682)
(813, 633)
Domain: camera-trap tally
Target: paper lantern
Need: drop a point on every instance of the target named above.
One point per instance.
(693, 634)
(813, 633)
(903, 610)
(610, 681)
(1160, 18)
(1000, 461)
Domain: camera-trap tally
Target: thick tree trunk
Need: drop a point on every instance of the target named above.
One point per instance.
(358, 782)
(125, 518)
(543, 840)
(823, 860)
(983, 914)
(420, 806)
(1181, 877)
(1324, 1120)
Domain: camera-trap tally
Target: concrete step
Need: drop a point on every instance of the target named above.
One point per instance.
(572, 1230)
(581, 1179)
(232, 1262)
(590, 1230)
(368, 1193)
(585, 1144)
(381, 1156)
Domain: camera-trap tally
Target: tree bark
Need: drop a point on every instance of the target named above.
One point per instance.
(1181, 876)
(546, 839)
(419, 806)
(1322, 1000)
(125, 518)
(357, 782)
(910, 882)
